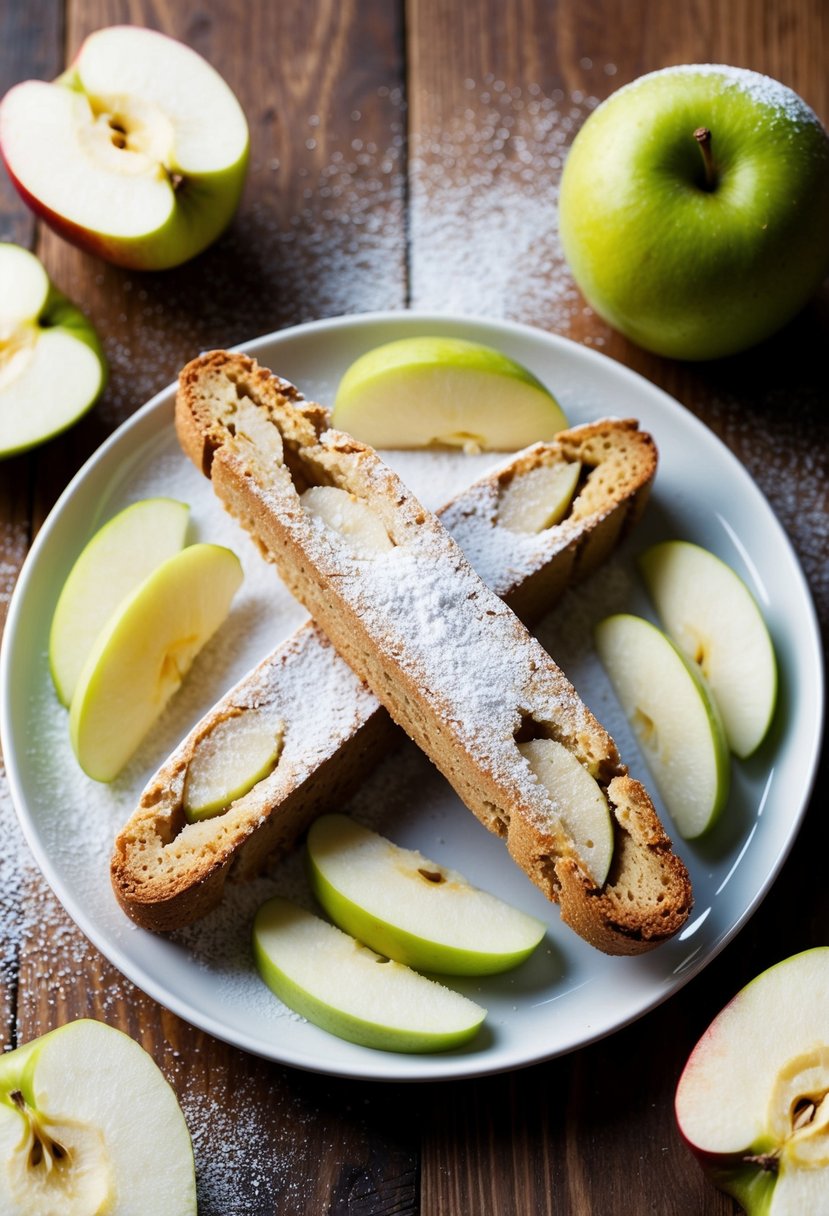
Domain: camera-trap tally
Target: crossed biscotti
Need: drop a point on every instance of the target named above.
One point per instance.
(448, 659)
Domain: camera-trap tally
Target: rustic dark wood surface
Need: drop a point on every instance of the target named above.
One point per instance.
(391, 141)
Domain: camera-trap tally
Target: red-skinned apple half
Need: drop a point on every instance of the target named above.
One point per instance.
(137, 153)
(693, 209)
(753, 1100)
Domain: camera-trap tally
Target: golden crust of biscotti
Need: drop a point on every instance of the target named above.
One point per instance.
(258, 476)
(167, 873)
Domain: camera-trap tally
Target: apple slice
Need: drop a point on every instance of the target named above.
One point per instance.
(578, 800)
(144, 653)
(411, 909)
(538, 498)
(119, 556)
(360, 525)
(350, 991)
(714, 619)
(673, 716)
(447, 392)
(239, 752)
(137, 153)
(88, 1123)
(753, 1099)
(52, 367)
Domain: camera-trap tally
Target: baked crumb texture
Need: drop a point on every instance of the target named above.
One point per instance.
(414, 623)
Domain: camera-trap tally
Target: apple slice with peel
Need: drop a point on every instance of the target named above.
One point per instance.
(347, 989)
(88, 1123)
(753, 1100)
(234, 756)
(411, 909)
(351, 517)
(578, 800)
(673, 716)
(144, 653)
(137, 153)
(538, 498)
(52, 367)
(438, 391)
(709, 612)
(119, 556)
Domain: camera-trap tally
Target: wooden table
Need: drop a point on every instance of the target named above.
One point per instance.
(407, 154)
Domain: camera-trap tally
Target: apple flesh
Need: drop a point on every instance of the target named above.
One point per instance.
(444, 392)
(411, 909)
(144, 653)
(712, 616)
(137, 153)
(239, 752)
(693, 209)
(578, 800)
(538, 498)
(88, 1123)
(674, 718)
(52, 367)
(348, 990)
(350, 517)
(753, 1099)
(116, 560)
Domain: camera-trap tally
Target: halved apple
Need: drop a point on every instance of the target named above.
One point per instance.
(578, 800)
(52, 367)
(144, 653)
(88, 1123)
(229, 760)
(348, 990)
(411, 909)
(709, 612)
(137, 153)
(673, 716)
(119, 556)
(447, 392)
(538, 498)
(753, 1100)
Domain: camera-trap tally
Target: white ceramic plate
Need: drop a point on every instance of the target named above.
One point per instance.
(568, 994)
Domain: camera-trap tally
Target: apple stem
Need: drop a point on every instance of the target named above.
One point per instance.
(703, 137)
(766, 1161)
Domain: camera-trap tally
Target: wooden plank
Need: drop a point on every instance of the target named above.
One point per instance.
(496, 93)
(30, 44)
(321, 231)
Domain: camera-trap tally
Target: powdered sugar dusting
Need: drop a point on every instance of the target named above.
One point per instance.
(764, 90)
(492, 172)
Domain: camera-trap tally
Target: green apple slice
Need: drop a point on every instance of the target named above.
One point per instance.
(579, 801)
(538, 498)
(119, 556)
(228, 761)
(52, 367)
(348, 990)
(144, 653)
(351, 517)
(70, 1139)
(709, 612)
(674, 717)
(753, 1100)
(437, 391)
(411, 909)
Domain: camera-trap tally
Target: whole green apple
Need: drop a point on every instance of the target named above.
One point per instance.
(694, 209)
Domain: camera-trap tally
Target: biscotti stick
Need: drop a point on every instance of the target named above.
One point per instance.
(451, 663)
(167, 873)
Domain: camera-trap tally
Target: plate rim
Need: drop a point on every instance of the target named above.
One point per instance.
(385, 1066)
